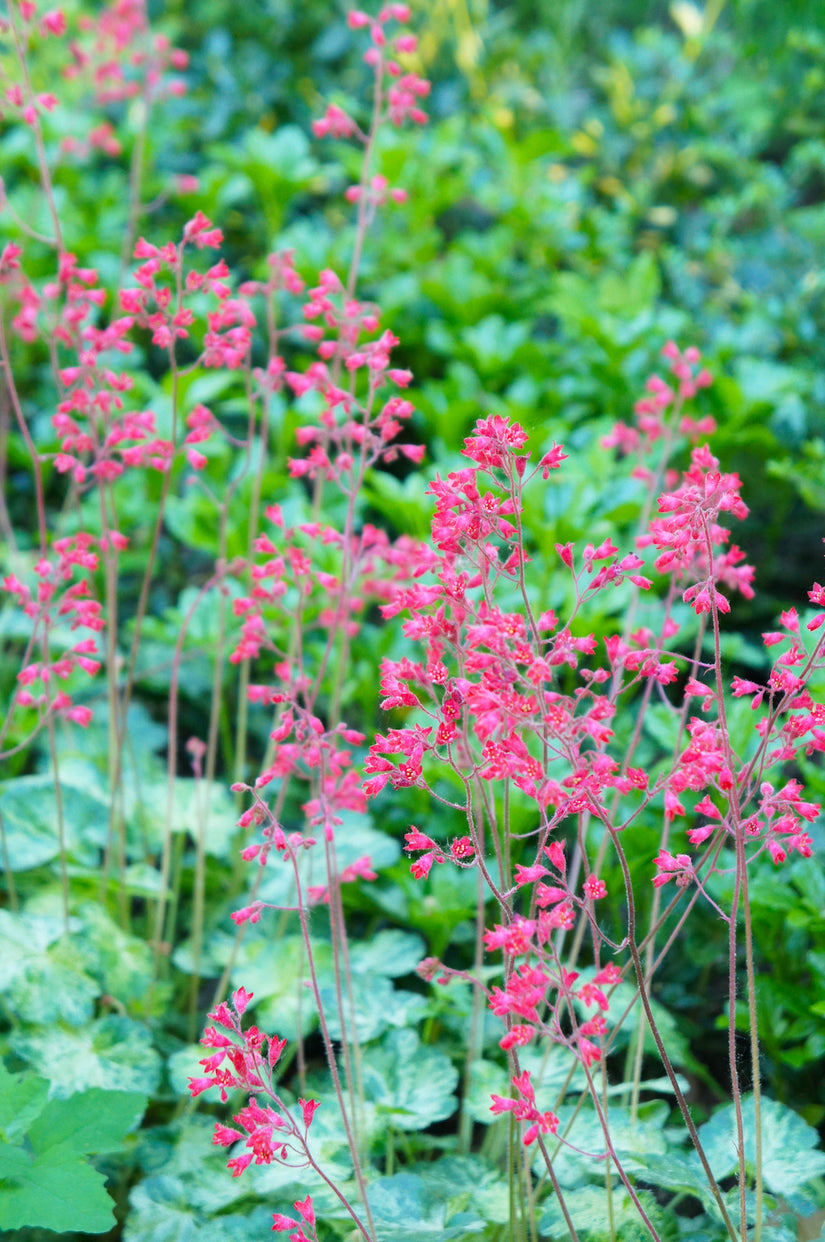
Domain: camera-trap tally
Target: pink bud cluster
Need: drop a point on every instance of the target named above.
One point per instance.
(488, 706)
(166, 308)
(266, 1127)
(523, 1107)
(120, 58)
(114, 57)
(660, 413)
(399, 94)
(51, 602)
(97, 439)
(282, 1223)
(687, 532)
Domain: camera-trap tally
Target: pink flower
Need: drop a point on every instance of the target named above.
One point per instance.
(53, 22)
(239, 1163)
(609, 975)
(241, 999)
(669, 867)
(529, 875)
(334, 122)
(461, 848)
(416, 840)
(555, 852)
(517, 1037)
(308, 1110)
(305, 1209)
(281, 1223)
(420, 869)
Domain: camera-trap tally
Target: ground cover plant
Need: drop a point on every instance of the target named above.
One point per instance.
(411, 789)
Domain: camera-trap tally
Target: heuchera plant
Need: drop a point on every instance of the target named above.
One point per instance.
(501, 705)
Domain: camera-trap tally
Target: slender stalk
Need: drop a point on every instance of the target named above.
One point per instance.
(608, 1176)
(554, 1181)
(529, 1196)
(756, 1085)
(20, 418)
(117, 828)
(666, 1062)
(242, 718)
(346, 1011)
(367, 1232)
(465, 1125)
(655, 905)
(171, 771)
(199, 886)
(61, 822)
(37, 129)
(7, 869)
(6, 528)
(512, 1175)
(330, 1051)
(739, 894)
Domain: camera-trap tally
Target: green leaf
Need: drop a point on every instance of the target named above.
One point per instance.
(410, 1083)
(184, 1152)
(122, 962)
(183, 1065)
(23, 940)
(94, 1121)
(788, 1156)
(22, 1098)
(493, 342)
(47, 1182)
(355, 838)
(63, 1196)
(276, 971)
(29, 808)
(675, 1171)
(634, 1141)
(197, 804)
(452, 1176)
(588, 1208)
(621, 996)
(273, 972)
(370, 1010)
(160, 1211)
(390, 952)
(405, 1209)
(487, 1078)
(114, 1052)
(55, 987)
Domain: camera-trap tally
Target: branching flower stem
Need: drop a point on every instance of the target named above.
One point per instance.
(641, 983)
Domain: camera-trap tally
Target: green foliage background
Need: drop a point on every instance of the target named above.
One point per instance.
(596, 179)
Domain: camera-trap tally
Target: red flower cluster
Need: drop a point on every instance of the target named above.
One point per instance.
(270, 1131)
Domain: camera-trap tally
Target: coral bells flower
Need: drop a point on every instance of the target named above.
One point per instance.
(305, 1209)
(594, 888)
(494, 441)
(687, 531)
(669, 867)
(53, 22)
(513, 939)
(552, 460)
(334, 122)
(269, 1130)
(524, 1109)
